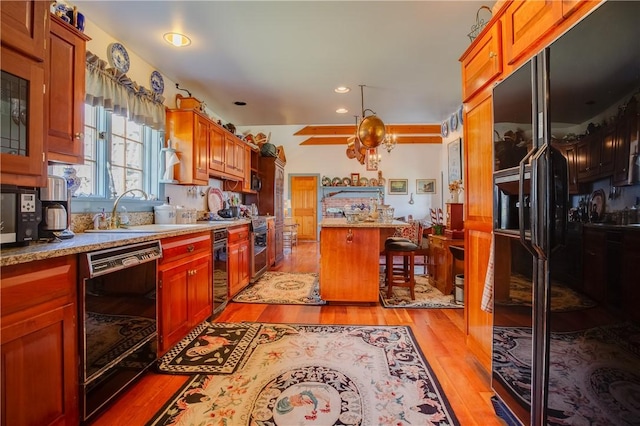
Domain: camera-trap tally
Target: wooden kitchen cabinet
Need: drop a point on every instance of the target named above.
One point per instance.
(238, 252)
(64, 98)
(234, 156)
(482, 64)
(340, 250)
(22, 158)
(39, 346)
(188, 130)
(216, 149)
(271, 242)
(185, 290)
(526, 22)
(442, 260)
(270, 201)
(24, 27)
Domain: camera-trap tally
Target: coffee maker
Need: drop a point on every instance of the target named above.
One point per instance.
(55, 199)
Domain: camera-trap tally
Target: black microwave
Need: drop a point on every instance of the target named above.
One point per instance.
(20, 212)
(256, 182)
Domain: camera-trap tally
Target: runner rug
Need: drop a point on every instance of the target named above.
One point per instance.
(283, 288)
(293, 374)
(594, 377)
(427, 296)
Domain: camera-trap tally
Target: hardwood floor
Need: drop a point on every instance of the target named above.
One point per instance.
(439, 333)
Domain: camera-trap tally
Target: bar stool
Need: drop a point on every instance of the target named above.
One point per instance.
(400, 277)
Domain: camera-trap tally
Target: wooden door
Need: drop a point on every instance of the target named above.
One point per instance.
(304, 205)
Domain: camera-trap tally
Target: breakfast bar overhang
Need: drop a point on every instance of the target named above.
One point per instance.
(350, 259)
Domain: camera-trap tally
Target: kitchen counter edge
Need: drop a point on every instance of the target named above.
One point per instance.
(86, 242)
(342, 223)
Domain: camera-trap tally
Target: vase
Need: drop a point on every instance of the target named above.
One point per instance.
(73, 181)
(455, 197)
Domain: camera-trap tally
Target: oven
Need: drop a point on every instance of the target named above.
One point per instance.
(220, 279)
(258, 245)
(117, 321)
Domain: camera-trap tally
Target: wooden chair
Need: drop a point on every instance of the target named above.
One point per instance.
(416, 234)
(289, 233)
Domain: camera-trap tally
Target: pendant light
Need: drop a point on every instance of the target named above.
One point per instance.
(371, 131)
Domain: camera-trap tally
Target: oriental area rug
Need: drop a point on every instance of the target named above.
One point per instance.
(594, 377)
(283, 288)
(427, 296)
(294, 374)
(563, 299)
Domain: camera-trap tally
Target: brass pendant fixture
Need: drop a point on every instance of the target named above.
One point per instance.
(371, 131)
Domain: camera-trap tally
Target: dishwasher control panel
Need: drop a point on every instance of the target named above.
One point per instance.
(110, 260)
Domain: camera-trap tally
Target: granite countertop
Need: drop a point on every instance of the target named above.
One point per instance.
(86, 242)
(342, 223)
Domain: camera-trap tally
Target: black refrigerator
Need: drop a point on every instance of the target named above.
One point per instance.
(566, 259)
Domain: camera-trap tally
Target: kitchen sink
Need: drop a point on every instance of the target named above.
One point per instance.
(146, 228)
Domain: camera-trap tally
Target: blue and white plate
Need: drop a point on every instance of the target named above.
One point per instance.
(460, 114)
(157, 82)
(444, 129)
(453, 122)
(118, 57)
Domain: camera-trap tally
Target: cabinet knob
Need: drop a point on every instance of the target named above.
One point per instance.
(349, 236)
(492, 54)
(79, 135)
(190, 248)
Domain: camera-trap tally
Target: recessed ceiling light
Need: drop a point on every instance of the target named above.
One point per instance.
(342, 110)
(177, 39)
(341, 89)
(240, 103)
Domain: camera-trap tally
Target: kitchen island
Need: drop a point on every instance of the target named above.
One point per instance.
(350, 259)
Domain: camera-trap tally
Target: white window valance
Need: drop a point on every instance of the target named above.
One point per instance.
(113, 90)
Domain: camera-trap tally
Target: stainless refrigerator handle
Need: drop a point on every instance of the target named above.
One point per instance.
(521, 210)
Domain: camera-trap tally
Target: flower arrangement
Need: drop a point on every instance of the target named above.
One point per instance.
(456, 186)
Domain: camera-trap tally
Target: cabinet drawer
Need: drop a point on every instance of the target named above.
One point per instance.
(238, 233)
(176, 248)
(483, 62)
(45, 282)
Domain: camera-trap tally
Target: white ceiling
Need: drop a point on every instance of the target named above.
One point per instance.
(284, 58)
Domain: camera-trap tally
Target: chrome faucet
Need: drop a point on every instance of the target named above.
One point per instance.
(113, 222)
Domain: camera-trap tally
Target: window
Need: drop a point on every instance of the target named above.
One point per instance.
(119, 155)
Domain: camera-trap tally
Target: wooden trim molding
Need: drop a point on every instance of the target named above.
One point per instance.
(338, 135)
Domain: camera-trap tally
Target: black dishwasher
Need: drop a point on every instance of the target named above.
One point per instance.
(117, 320)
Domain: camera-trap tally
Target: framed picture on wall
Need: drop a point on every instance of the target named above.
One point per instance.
(398, 186)
(454, 152)
(425, 186)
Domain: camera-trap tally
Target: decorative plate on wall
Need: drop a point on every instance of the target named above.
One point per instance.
(118, 57)
(453, 122)
(444, 130)
(157, 82)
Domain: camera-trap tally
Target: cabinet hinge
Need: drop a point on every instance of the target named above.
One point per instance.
(44, 89)
(44, 158)
(159, 283)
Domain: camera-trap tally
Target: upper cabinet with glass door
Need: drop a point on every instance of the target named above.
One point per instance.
(22, 158)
